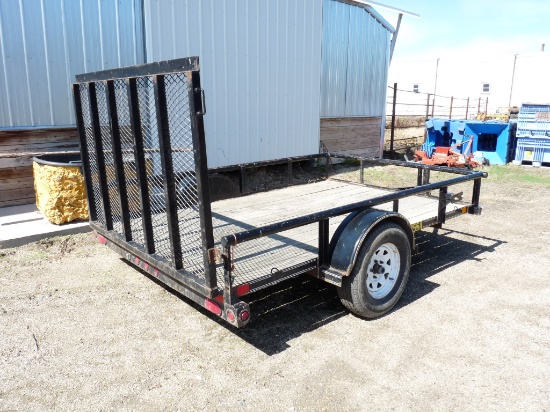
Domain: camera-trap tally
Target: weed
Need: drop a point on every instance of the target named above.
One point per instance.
(351, 163)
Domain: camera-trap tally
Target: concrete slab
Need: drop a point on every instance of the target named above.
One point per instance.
(24, 224)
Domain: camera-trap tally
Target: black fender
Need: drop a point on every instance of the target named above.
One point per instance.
(352, 232)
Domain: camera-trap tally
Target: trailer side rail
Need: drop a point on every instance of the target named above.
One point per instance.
(237, 285)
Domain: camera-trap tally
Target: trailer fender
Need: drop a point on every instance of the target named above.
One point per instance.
(352, 232)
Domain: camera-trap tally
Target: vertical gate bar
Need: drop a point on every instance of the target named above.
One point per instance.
(167, 171)
(442, 205)
(139, 156)
(100, 154)
(324, 242)
(118, 159)
(451, 108)
(362, 172)
(84, 153)
(419, 177)
(478, 105)
(396, 205)
(486, 104)
(467, 108)
(201, 169)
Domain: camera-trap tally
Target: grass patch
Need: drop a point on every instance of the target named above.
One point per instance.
(395, 176)
(31, 256)
(510, 173)
(383, 176)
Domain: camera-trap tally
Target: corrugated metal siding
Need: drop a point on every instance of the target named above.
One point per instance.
(44, 43)
(260, 69)
(354, 63)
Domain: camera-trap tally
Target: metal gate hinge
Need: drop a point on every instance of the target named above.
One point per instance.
(215, 256)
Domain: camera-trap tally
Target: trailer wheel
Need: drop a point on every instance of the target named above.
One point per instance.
(380, 274)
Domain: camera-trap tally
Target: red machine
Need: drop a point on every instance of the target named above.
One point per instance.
(447, 156)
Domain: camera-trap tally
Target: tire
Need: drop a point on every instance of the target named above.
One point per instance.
(375, 285)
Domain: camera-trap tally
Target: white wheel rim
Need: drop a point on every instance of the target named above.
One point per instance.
(383, 270)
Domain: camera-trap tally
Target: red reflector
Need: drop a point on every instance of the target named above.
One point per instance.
(156, 272)
(245, 315)
(230, 316)
(241, 290)
(146, 266)
(219, 298)
(212, 307)
(137, 260)
(101, 240)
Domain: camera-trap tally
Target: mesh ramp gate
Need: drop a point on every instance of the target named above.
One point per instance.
(144, 158)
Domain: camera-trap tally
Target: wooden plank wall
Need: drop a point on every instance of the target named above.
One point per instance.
(352, 135)
(17, 148)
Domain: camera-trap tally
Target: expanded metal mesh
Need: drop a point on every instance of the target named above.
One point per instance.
(155, 181)
(105, 132)
(256, 260)
(90, 143)
(129, 161)
(181, 142)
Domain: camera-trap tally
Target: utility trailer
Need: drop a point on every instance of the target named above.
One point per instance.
(144, 160)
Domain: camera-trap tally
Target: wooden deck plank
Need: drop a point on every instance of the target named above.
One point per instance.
(255, 259)
(264, 208)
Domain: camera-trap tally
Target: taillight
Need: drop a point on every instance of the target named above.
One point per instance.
(230, 316)
(245, 315)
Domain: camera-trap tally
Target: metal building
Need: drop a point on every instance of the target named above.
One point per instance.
(272, 69)
(45, 43)
(279, 76)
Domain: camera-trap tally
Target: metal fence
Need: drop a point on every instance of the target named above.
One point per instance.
(408, 110)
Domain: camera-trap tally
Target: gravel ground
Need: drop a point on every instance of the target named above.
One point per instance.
(80, 329)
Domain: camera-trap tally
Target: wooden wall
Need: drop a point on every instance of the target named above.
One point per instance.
(17, 148)
(352, 135)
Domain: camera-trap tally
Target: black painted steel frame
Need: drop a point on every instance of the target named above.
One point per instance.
(207, 287)
(318, 268)
(205, 290)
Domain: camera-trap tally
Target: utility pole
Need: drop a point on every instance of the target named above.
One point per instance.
(513, 74)
(435, 85)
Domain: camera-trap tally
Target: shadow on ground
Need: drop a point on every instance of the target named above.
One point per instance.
(300, 305)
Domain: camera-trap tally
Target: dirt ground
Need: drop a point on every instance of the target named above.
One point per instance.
(80, 329)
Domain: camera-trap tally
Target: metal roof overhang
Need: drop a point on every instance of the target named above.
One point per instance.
(367, 5)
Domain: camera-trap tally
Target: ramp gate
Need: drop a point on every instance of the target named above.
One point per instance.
(144, 160)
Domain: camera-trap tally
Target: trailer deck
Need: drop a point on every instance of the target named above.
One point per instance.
(256, 259)
(143, 150)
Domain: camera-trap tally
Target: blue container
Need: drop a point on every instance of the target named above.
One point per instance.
(534, 121)
(491, 139)
(535, 150)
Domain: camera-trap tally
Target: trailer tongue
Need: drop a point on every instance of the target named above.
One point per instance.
(144, 160)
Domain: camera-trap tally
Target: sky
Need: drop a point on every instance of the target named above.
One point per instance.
(469, 27)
